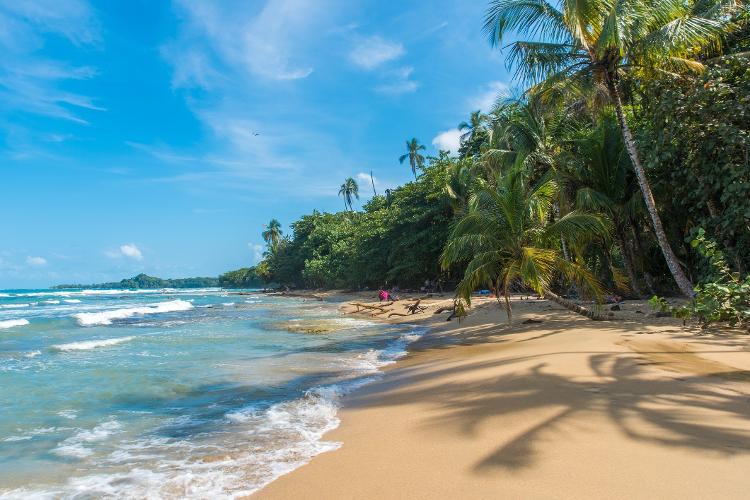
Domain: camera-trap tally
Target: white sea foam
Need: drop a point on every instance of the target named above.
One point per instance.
(71, 301)
(32, 354)
(75, 447)
(106, 317)
(10, 323)
(14, 306)
(280, 438)
(90, 344)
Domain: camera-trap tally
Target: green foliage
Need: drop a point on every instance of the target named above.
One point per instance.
(145, 281)
(550, 190)
(416, 159)
(724, 299)
(696, 135)
(396, 239)
(507, 235)
(349, 190)
(247, 277)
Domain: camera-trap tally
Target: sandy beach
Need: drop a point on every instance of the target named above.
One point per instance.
(554, 406)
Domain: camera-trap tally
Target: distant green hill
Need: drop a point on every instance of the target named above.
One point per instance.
(241, 278)
(146, 281)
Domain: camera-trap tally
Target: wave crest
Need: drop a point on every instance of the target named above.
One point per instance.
(106, 317)
(10, 323)
(90, 344)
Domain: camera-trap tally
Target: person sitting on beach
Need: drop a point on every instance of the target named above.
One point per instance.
(384, 296)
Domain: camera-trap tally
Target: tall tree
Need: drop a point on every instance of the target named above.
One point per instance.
(601, 170)
(588, 46)
(413, 147)
(473, 134)
(272, 234)
(349, 190)
(506, 235)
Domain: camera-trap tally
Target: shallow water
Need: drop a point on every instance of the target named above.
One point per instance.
(172, 394)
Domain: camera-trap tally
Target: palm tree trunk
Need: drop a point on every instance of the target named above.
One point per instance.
(629, 268)
(683, 283)
(572, 306)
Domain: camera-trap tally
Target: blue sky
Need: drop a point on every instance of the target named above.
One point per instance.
(127, 129)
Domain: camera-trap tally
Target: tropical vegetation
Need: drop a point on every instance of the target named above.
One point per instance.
(621, 167)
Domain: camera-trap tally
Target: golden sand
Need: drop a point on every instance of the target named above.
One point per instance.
(636, 407)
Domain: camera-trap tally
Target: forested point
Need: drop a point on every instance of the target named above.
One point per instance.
(241, 278)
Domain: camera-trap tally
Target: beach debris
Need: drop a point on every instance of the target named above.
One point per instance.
(379, 307)
(531, 321)
(615, 307)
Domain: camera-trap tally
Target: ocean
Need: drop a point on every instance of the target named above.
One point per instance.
(196, 393)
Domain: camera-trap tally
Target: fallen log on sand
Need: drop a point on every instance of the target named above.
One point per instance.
(379, 307)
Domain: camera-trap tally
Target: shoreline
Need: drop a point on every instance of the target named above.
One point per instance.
(560, 407)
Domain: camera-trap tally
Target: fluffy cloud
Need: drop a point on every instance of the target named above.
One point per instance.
(266, 42)
(399, 82)
(36, 261)
(129, 250)
(449, 140)
(257, 251)
(372, 52)
(487, 96)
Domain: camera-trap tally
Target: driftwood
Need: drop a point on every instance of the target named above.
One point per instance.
(380, 307)
(415, 307)
(444, 309)
(411, 309)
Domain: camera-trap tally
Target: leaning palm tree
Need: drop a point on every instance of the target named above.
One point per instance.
(413, 147)
(272, 234)
(349, 190)
(506, 236)
(588, 46)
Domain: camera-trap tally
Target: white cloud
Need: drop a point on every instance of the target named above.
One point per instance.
(129, 250)
(365, 177)
(132, 251)
(372, 52)
(266, 43)
(33, 83)
(448, 140)
(365, 182)
(257, 252)
(36, 261)
(487, 96)
(400, 82)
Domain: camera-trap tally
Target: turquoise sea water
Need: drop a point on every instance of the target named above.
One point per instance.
(174, 393)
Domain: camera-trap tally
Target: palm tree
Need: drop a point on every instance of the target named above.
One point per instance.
(589, 45)
(506, 235)
(413, 147)
(603, 173)
(272, 234)
(349, 190)
(475, 127)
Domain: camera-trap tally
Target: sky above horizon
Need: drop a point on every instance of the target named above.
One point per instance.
(159, 137)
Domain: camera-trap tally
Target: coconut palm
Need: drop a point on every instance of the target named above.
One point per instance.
(413, 147)
(590, 45)
(272, 234)
(603, 174)
(349, 190)
(506, 235)
(473, 133)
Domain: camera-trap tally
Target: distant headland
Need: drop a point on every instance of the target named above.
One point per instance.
(241, 278)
